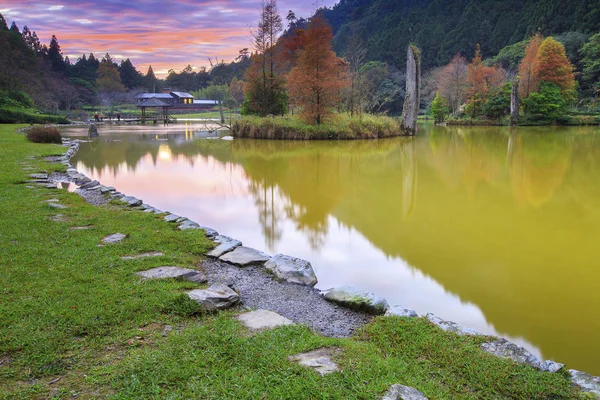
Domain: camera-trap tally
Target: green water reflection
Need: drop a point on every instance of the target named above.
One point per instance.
(504, 222)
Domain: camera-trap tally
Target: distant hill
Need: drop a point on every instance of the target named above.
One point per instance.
(442, 28)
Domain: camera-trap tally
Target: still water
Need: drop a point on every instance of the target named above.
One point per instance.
(493, 228)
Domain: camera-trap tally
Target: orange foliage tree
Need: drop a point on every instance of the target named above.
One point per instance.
(529, 68)
(482, 80)
(315, 83)
(553, 66)
(453, 83)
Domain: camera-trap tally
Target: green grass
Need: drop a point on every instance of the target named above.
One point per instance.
(340, 127)
(12, 115)
(73, 310)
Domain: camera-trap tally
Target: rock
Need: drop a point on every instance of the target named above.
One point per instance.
(104, 190)
(131, 201)
(93, 131)
(587, 383)
(143, 255)
(39, 176)
(357, 299)
(187, 224)
(166, 330)
(399, 311)
(114, 238)
(450, 326)
(514, 103)
(245, 256)
(224, 245)
(319, 360)
(551, 366)
(57, 205)
(399, 392)
(216, 297)
(173, 273)
(172, 218)
(412, 99)
(504, 348)
(90, 184)
(263, 319)
(80, 228)
(293, 270)
(210, 232)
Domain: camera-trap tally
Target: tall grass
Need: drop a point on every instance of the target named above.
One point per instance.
(43, 134)
(338, 128)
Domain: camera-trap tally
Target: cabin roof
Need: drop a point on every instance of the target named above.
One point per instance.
(154, 95)
(183, 95)
(154, 102)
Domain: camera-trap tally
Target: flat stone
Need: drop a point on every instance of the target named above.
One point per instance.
(131, 201)
(399, 311)
(319, 360)
(216, 297)
(80, 228)
(104, 190)
(172, 218)
(57, 205)
(505, 349)
(400, 392)
(292, 269)
(587, 383)
(187, 224)
(551, 366)
(58, 218)
(245, 256)
(263, 319)
(89, 184)
(172, 273)
(210, 232)
(357, 299)
(450, 326)
(39, 176)
(224, 245)
(143, 255)
(114, 238)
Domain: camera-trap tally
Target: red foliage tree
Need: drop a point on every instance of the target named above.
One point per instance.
(528, 69)
(315, 83)
(453, 83)
(482, 80)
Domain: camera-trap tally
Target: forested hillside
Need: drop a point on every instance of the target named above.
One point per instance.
(442, 28)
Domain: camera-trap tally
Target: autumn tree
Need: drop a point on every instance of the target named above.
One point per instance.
(482, 79)
(553, 66)
(316, 82)
(265, 92)
(528, 69)
(453, 83)
(109, 80)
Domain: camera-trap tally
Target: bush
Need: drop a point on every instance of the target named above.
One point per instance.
(15, 98)
(44, 134)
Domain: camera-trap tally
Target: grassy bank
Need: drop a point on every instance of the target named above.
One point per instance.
(75, 320)
(340, 127)
(567, 120)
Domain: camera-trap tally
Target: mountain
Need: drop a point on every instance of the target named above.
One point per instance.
(442, 28)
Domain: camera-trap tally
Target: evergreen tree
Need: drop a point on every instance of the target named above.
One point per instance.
(3, 24)
(590, 59)
(14, 28)
(55, 56)
(130, 77)
(109, 81)
(439, 108)
(150, 81)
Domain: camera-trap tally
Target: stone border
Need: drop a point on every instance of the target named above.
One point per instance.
(229, 248)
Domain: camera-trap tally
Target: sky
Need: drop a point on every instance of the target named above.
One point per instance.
(167, 34)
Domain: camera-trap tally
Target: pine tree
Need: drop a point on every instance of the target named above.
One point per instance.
(316, 82)
(3, 24)
(150, 80)
(14, 28)
(439, 108)
(109, 80)
(55, 56)
(130, 76)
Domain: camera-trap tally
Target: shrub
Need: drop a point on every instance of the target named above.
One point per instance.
(44, 134)
(23, 116)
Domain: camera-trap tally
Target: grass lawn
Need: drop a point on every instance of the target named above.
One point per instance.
(75, 311)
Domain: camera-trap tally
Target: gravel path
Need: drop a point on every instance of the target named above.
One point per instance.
(259, 290)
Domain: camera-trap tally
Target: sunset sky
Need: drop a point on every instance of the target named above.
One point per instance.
(163, 33)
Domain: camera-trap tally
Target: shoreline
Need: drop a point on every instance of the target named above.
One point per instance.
(299, 303)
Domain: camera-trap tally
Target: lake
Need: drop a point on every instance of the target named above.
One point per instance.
(493, 228)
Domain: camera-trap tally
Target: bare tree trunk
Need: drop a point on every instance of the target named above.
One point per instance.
(412, 100)
(514, 103)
